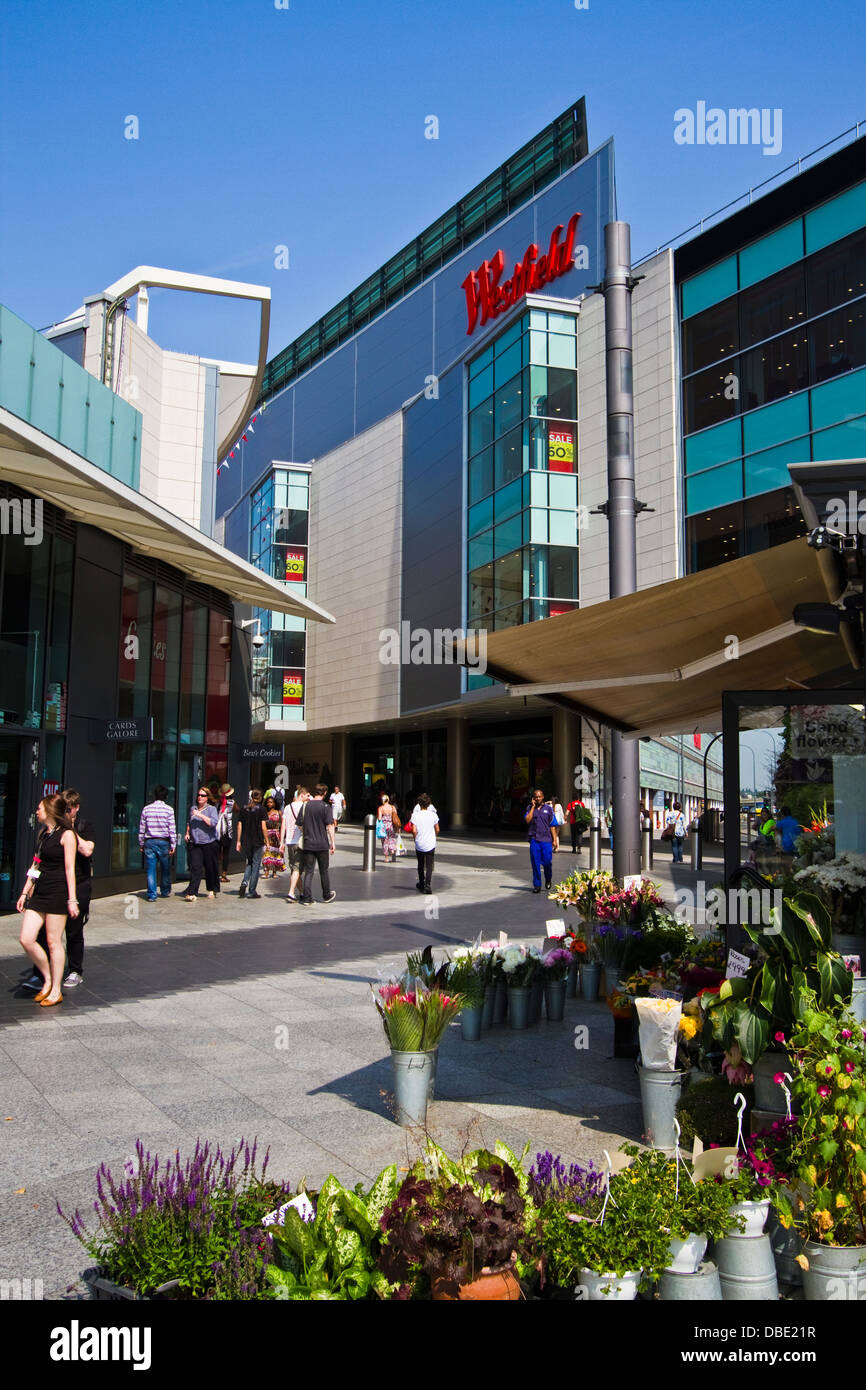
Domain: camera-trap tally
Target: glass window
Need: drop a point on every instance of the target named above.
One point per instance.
(562, 577)
(481, 363)
(769, 469)
(480, 516)
(836, 218)
(772, 520)
(561, 351)
(508, 500)
(562, 323)
(480, 387)
(712, 335)
(846, 441)
(561, 449)
(508, 580)
(538, 348)
(508, 455)
(538, 445)
(786, 419)
(290, 564)
(714, 537)
(714, 446)
(700, 291)
(711, 395)
(563, 528)
(838, 341)
(130, 765)
(165, 677)
(839, 400)
(715, 487)
(481, 427)
(23, 626)
(193, 672)
(481, 592)
(288, 648)
(218, 667)
(774, 370)
(563, 491)
(509, 405)
(57, 655)
(771, 253)
(508, 535)
(290, 526)
(480, 475)
(774, 306)
(538, 319)
(481, 550)
(537, 526)
(837, 275)
(538, 483)
(507, 364)
(561, 394)
(298, 495)
(135, 648)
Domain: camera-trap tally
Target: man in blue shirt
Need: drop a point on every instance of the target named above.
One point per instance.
(539, 818)
(789, 829)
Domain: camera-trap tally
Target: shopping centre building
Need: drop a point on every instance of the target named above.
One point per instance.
(433, 459)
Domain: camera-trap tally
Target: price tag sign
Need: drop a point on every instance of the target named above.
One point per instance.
(737, 966)
(555, 926)
(632, 881)
(503, 938)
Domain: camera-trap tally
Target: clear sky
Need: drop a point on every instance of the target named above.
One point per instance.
(304, 127)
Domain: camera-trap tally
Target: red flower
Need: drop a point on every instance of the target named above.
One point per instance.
(824, 1092)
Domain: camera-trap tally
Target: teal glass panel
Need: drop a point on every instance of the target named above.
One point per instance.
(45, 400)
(563, 491)
(771, 253)
(476, 682)
(839, 400)
(563, 528)
(562, 323)
(481, 550)
(480, 387)
(561, 351)
(99, 426)
(73, 410)
(480, 475)
(538, 348)
(481, 516)
(480, 363)
(537, 526)
(715, 487)
(508, 500)
(507, 364)
(509, 535)
(769, 469)
(538, 489)
(125, 447)
(713, 446)
(711, 286)
(506, 341)
(786, 419)
(538, 319)
(843, 442)
(298, 498)
(16, 341)
(836, 219)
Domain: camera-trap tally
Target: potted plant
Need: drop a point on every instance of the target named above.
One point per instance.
(829, 1153)
(693, 1212)
(414, 1016)
(187, 1229)
(840, 883)
(459, 1230)
(554, 967)
(466, 977)
(581, 892)
(519, 965)
(330, 1252)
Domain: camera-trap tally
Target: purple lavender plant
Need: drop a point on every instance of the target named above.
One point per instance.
(550, 1180)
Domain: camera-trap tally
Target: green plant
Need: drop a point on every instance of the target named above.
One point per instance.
(707, 1112)
(662, 936)
(582, 891)
(333, 1257)
(760, 1010)
(467, 975)
(685, 1207)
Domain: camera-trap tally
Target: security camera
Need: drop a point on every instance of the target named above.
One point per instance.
(258, 640)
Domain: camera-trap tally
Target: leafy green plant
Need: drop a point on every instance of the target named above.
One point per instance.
(795, 959)
(467, 973)
(707, 1112)
(685, 1207)
(333, 1257)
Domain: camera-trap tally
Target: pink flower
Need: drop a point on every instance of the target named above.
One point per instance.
(779, 1078)
(849, 1066)
(779, 1037)
(828, 1070)
(846, 1033)
(824, 1092)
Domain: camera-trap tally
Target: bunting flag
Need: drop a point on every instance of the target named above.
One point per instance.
(243, 439)
(697, 739)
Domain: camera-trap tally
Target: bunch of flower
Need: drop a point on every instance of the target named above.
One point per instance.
(414, 1016)
(519, 964)
(555, 964)
(550, 1180)
(616, 944)
(198, 1222)
(707, 951)
(582, 892)
(629, 907)
(840, 884)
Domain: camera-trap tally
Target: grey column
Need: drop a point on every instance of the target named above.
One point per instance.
(566, 751)
(458, 772)
(341, 760)
(622, 534)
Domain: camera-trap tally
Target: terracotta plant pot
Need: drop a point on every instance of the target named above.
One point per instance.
(491, 1286)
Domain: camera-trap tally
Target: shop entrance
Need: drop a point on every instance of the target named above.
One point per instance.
(190, 777)
(19, 795)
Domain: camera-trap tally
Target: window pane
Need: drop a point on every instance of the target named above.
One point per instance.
(508, 453)
(562, 575)
(290, 526)
(509, 405)
(537, 526)
(837, 275)
(507, 364)
(508, 501)
(563, 491)
(288, 648)
(842, 442)
(480, 476)
(218, 666)
(780, 248)
(481, 427)
(165, 678)
(538, 347)
(774, 424)
(715, 537)
(709, 336)
(772, 520)
(22, 629)
(561, 452)
(715, 487)
(508, 536)
(562, 323)
(561, 351)
(481, 550)
(480, 516)
(711, 286)
(480, 387)
(839, 400)
(506, 341)
(193, 672)
(480, 363)
(838, 341)
(710, 396)
(773, 306)
(561, 394)
(135, 648)
(508, 577)
(481, 592)
(130, 761)
(714, 446)
(769, 469)
(774, 370)
(563, 528)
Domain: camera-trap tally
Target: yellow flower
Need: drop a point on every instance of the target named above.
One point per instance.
(843, 1082)
(802, 1261)
(841, 1202)
(813, 1174)
(824, 1220)
(688, 1027)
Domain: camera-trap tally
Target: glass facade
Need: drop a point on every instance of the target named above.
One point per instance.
(522, 484)
(774, 362)
(279, 514)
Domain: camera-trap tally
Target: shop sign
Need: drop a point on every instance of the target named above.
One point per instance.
(50, 788)
(120, 730)
(295, 565)
(820, 733)
(560, 451)
(293, 688)
(261, 752)
(487, 294)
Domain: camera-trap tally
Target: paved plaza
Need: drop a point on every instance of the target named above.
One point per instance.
(254, 1018)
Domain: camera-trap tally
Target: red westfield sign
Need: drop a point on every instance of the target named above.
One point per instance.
(486, 296)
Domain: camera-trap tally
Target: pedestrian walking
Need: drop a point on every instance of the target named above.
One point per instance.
(273, 862)
(157, 838)
(609, 819)
(539, 818)
(251, 839)
(291, 840)
(675, 831)
(317, 845)
(338, 807)
(576, 824)
(425, 827)
(50, 896)
(203, 852)
(558, 820)
(388, 828)
(225, 826)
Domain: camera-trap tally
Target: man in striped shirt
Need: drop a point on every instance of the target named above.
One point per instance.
(157, 836)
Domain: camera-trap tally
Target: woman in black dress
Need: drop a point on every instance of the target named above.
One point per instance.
(49, 895)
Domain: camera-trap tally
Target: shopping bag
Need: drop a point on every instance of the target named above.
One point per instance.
(401, 848)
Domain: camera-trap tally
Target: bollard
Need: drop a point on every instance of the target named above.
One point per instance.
(369, 861)
(696, 845)
(595, 844)
(646, 850)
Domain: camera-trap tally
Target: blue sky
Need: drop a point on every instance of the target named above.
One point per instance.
(261, 127)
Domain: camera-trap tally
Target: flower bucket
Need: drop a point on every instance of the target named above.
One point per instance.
(414, 1078)
(702, 1286)
(755, 1214)
(746, 1257)
(659, 1093)
(536, 995)
(470, 1022)
(590, 976)
(768, 1094)
(487, 1009)
(554, 1000)
(609, 1288)
(500, 1002)
(786, 1246)
(686, 1255)
(611, 980)
(571, 980)
(836, 1272)
(518, 1006)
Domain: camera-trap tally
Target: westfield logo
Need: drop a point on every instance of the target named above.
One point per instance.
(487, 294)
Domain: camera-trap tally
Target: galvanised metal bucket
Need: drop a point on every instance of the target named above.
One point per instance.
(470, 1022)
(487, 1009)
(835, 1272)
(703, 1286)
(414, 1079)
(659, 1093)
(747, 1269)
